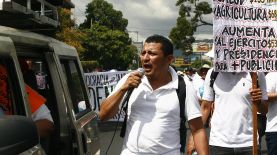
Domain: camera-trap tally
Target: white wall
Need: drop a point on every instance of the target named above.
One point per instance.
(1, 1)
(1, 4)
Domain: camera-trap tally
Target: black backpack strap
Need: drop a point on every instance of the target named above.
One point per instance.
(212, 78)
(181, 92)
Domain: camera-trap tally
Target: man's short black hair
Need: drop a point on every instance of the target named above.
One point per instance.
(167, 46)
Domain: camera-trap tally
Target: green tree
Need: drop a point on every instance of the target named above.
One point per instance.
(111, 48)
(190, 17)
(107, 39)
(68, 33)
(102, 13)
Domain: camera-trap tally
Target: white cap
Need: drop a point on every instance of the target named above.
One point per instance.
(179, 72)
(206, 66)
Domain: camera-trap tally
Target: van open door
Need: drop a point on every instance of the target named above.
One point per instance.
(18, 134)
(84, 119)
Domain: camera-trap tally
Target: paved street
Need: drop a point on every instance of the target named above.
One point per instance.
(106, 134)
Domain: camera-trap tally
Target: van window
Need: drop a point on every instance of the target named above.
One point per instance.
(11, 99)
(36, 75)
(76, 87)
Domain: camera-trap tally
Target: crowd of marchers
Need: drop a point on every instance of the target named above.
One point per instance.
(222, 101)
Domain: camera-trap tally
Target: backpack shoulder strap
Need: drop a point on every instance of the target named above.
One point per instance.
(213, 78)
(181, 92)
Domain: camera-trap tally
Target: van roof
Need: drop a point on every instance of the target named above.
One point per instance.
(30, 38)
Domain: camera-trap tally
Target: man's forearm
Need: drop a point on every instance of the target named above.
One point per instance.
(201, 141)
(205, 110)
(199, 135)
(110, 106)
(45, 127)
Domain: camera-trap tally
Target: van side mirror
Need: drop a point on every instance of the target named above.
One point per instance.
(17, 134)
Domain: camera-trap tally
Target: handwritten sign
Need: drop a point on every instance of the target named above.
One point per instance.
(100, 85)
(245, 35)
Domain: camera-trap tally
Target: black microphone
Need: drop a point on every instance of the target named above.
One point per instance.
(130, 91)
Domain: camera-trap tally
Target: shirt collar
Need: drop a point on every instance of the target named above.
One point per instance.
(171, 85)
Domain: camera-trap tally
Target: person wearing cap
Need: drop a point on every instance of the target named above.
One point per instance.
(199, 79)
(203, 71)
(188, 74)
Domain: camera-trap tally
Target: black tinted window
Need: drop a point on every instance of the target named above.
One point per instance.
(11, 100)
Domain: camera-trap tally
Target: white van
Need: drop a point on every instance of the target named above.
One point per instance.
(58, 77)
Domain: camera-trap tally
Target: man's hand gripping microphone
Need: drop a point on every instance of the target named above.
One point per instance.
(129, 92)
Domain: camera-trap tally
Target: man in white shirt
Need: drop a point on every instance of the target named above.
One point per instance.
(271, 124)
(231, 124)
(153, 120)
(198, 81)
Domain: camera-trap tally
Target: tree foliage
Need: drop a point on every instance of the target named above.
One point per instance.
(102, 13)
(89, 66)
(68, 33)
(190, 17)
(111, 48)
(107, 39)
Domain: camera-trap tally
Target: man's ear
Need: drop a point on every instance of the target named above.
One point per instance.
(170, 59)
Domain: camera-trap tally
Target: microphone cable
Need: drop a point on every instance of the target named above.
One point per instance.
(126, 100)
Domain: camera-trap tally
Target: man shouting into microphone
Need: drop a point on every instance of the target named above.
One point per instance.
(153, 121)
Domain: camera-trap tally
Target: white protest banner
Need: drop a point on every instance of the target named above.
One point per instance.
(100, 85)
(245, 36)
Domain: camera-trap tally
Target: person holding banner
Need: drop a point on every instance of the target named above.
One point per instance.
(231, 124)
(271, 125)
(153, 120)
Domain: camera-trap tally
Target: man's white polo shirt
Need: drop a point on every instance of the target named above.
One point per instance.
(154, 117)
